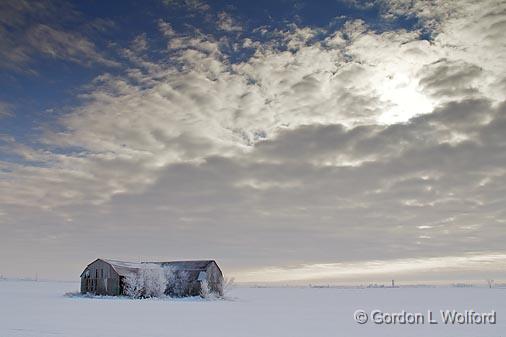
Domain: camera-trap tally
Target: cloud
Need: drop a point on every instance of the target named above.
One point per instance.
(192, 5)
(140, 43)
(365, 193)
(64, 45)
(451, 80)
(367, 269)
(5, 109)
(29, 30)
(166, 29)
(430, 13)
(227, 23)
(373, 144)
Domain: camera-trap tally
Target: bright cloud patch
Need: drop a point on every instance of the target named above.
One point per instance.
(370, 269)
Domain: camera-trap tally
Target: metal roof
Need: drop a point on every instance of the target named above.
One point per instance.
(185, 265)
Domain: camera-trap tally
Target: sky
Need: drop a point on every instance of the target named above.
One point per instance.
(292, 141)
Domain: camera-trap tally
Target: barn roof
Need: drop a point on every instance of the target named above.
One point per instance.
(189, 265)
(185, 265)
(123, 268)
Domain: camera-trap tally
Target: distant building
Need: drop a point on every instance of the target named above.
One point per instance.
(108, 277)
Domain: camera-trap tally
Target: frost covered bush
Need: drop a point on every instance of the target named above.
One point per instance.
(153, 280)
(149, 281)
(170, 275)
(204, 289)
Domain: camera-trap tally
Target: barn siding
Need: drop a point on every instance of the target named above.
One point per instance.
(214, 278)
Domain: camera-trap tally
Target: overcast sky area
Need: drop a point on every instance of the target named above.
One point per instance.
(292, 141)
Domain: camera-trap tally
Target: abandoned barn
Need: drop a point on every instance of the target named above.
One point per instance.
(108, 277)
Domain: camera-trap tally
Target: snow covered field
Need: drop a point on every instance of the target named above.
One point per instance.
(39, 309)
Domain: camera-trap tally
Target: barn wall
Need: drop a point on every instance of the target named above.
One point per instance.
(215, 278)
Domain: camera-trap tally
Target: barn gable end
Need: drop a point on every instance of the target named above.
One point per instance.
(100, 278)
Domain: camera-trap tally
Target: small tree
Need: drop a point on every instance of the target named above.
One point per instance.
(227, 284)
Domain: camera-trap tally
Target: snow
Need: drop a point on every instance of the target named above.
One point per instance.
(123, 264)
(40, 309)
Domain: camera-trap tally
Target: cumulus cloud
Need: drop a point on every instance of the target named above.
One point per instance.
(373, 144)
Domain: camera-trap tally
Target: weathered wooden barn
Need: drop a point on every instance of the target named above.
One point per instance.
(107, 277)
